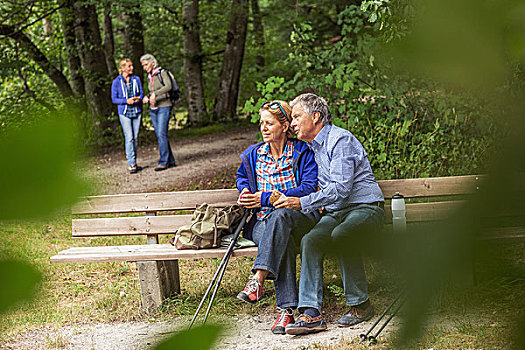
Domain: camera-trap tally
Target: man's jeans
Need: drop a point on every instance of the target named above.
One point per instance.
(130, 126)
(278, 238)
(160, 118)
(339, 231)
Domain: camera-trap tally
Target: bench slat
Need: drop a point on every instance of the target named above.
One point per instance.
(168, 201)
(168, 224)
(141, 253)
(161, 201)
(124, 226)
(504, 233)
(431, 187)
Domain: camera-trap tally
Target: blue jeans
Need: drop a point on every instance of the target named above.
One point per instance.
(130, 126)
(160, 118)
(278, 238)
(337, 231)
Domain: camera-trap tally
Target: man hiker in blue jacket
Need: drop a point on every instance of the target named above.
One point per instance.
(351, 203)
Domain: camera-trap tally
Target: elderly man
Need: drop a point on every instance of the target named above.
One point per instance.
(352, 204)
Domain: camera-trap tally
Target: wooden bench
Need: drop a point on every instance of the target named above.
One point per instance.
(157, 263)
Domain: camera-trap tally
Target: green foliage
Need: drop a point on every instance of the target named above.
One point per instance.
(402, 145)
(266, 91)
(409, 127)
(200, 338)
(40, 179)
(392, 17)
(20, 280)
(41, 158)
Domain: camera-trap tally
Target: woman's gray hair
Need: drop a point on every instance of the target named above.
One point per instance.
(149, 58)
(312, 103)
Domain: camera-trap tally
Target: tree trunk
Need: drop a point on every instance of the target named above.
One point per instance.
(133, 38)
(193, 55)
(73, 59)
(109, 43)
(96, 77)
(228, 92)
(258, 31)
(40, 59)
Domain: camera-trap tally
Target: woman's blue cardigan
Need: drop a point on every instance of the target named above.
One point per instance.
(304, 169)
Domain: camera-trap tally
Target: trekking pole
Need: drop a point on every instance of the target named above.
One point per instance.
(220, 270)
(373, 338)
(364, 337)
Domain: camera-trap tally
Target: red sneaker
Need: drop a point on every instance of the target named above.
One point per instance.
(284, 317)
(253, 291)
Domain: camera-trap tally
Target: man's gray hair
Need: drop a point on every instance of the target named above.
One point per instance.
(149, 58)
(312, 103)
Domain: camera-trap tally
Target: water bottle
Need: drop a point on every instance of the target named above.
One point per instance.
(399, 220)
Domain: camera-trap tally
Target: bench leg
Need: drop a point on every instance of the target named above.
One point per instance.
(158, 280)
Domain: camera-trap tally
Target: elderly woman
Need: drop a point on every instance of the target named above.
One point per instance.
(126, 93)
(159, 83)
(278, 166)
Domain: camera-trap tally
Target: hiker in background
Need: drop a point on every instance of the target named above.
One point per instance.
(279, 166)
(352, 205)
(127, 94)
(160, 85)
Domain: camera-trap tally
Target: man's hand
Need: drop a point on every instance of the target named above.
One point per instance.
(248, 200)
(288, 202)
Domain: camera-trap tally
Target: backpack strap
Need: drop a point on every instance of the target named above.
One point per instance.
(159, 74)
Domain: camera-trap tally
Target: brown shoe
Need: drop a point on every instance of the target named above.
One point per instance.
(161, 167)
(357, 314)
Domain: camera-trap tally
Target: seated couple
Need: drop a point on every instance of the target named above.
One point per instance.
(314, 192)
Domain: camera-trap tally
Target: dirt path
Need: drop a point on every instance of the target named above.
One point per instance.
(199, 160)
(240, 333)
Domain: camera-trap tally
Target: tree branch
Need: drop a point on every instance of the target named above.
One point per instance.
(36, 55)
(20, 29)
(31, 93)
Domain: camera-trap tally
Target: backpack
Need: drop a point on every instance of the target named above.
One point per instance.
(174, 93)
(208, 225)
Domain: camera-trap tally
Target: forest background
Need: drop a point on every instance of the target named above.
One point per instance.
(229, 56)
(431, 88)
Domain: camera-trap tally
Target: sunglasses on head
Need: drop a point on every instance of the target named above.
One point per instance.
(274, 106)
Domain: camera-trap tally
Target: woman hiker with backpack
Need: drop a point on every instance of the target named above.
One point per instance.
(161, 104)
(279, 166)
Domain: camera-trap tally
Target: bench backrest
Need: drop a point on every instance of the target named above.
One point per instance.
(435, 198)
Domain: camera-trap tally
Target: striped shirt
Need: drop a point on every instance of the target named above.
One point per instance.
(345, 176)
(273, 174)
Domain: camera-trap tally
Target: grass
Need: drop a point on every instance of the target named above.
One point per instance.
(480, 317)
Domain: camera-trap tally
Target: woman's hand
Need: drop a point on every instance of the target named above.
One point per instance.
(145, 99)
(152, 99)
(243, 192)
(248, 200)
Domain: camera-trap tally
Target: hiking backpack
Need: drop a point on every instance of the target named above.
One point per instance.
(174, 93)
(208, 225)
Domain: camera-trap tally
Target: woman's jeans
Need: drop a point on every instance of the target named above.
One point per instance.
(278, 238)
(339, 233)
(130, 126)
(160, 118)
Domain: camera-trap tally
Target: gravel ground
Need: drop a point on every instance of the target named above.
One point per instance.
(242, 332)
